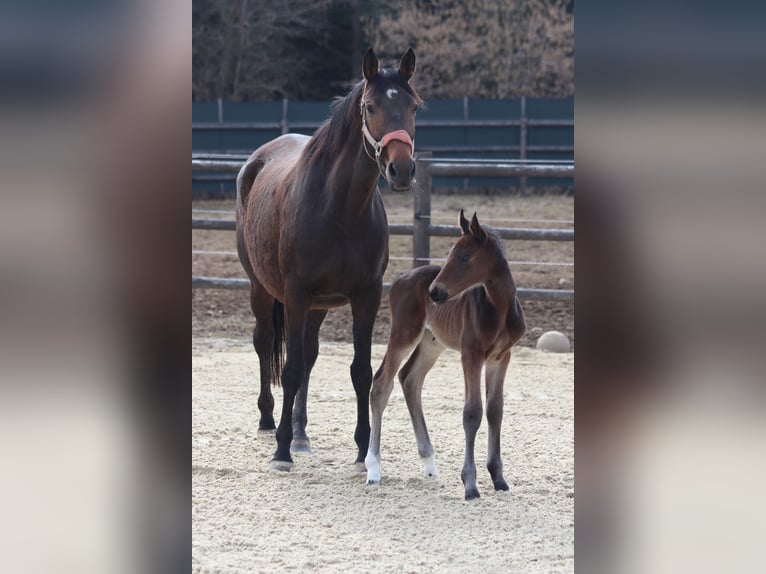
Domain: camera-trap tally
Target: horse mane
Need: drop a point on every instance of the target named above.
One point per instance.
(345, 120)
(491, 232)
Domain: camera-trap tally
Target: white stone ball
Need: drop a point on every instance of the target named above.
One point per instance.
(554, 342)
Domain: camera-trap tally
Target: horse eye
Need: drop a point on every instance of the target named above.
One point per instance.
(464, 257)
(415, 109)
(369, 108)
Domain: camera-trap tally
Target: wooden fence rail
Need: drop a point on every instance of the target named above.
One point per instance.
(421, 229)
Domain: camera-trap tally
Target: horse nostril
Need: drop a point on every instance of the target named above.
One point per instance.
(437, 294)
(412, 170)
(391, 170)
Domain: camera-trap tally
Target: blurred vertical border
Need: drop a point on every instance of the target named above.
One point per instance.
(669, 203)
(95, 403)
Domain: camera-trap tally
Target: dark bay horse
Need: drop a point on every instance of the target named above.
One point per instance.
(312, 234)
(470, 305)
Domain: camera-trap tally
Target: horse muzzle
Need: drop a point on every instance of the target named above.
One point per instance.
(438, 294)
(400, 171)
(400, 174)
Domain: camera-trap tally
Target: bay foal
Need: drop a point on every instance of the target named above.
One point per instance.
(469, 305)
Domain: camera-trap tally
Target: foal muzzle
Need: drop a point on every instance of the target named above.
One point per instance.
(438, 294)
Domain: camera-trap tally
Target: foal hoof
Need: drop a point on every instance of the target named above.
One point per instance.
(300, 446)
(360, 467)
(280, 466)
(472, 494)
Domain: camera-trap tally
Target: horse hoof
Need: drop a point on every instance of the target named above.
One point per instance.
(300, 446)
(280, 466)
(267, 426)
(501, 485)
(266, 432)
(373, 483)
(472, 494)
(360, 467)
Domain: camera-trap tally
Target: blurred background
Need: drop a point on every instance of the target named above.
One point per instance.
(245, 50)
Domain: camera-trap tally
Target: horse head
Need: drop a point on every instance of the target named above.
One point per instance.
(388, 106)
(470, 262)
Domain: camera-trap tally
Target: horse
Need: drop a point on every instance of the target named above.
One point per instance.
(312, 234)
(469, 305)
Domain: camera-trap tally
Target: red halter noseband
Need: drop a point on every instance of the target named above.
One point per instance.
(379, 146)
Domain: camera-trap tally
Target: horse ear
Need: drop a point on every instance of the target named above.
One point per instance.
(370, 65)
(477, 230)
(407, 65)
(463, 223)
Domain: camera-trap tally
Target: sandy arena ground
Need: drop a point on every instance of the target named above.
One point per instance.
(322, 518)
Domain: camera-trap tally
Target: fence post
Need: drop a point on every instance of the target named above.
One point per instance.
(523, 141)
(221, 185)
(465, 139)
(284, 116)
(421, 238)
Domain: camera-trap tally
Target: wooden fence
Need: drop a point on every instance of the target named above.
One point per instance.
(421, 229)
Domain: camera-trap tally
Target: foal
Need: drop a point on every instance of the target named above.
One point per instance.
(469, 305)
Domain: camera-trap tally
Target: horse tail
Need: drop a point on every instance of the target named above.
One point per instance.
(245, 178)
(277, 352)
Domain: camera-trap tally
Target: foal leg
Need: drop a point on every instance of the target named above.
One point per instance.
(398, 348)
(472, 413)
(293, 373)
(263, 340)
(364, 309)
(411, 377)
(495, 377)
(300, 442)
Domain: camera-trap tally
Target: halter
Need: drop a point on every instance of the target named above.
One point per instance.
(379, 146)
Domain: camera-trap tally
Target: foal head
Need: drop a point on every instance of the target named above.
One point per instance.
(388, 106)
(471, 262)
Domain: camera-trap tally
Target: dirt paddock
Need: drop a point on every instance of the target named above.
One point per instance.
(321, 517)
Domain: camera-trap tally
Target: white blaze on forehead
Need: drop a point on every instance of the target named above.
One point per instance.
(390, 93)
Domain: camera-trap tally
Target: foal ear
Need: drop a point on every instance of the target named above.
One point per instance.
(407, 65)
(463, 223)
(477, 230)
(370, 65)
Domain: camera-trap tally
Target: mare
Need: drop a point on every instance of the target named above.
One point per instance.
(312, 234)
(469, 305)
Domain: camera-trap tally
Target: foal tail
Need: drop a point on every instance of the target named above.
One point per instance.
(277, 351)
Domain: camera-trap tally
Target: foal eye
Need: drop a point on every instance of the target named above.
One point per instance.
(369, 109)
(464, 257)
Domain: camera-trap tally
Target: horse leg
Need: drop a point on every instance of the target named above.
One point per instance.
(472, 413)
(263, 340)
(300, 442)
(398, 348)
(364, 309)
(411, 377)
(293, 373)
(494, 378)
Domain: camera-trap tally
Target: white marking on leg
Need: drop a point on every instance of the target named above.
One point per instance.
(390, 93)
(373, 468)
(429, 466)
